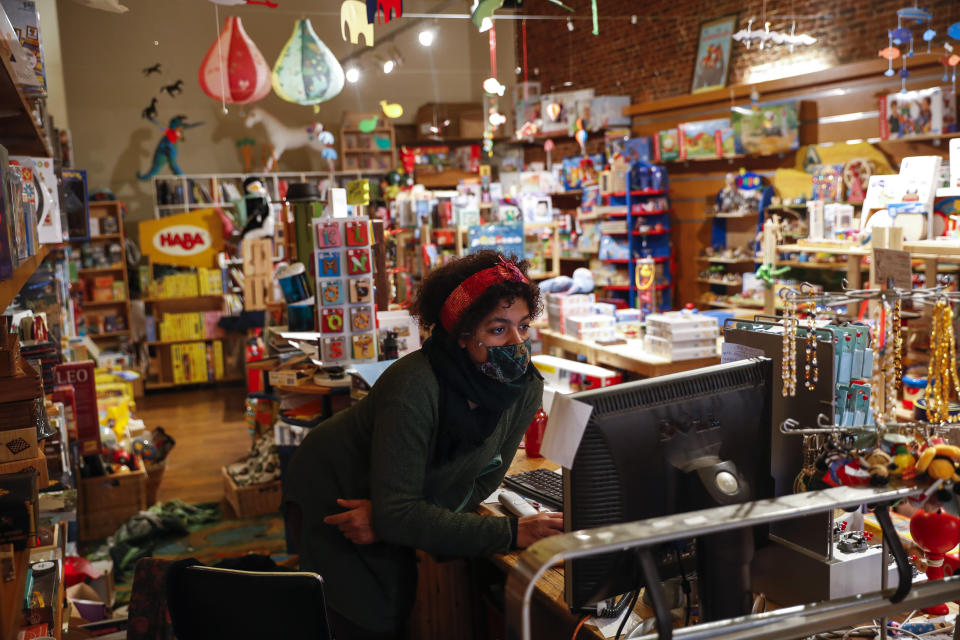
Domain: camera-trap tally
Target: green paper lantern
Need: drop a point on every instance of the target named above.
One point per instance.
(306, 72)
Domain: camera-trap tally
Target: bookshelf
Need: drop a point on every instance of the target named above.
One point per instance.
(20, 134)
(189, 192)
(372, 150)
(106, 312)
(10, 288)
(177, 361)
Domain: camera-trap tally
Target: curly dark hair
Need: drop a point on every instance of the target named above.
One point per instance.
(440, 283)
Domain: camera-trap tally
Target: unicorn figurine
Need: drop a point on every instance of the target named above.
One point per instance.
(282, 137)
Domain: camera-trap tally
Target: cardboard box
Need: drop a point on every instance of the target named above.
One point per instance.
(292, 375)
(18, 444)
(252, 500)
(37, 463)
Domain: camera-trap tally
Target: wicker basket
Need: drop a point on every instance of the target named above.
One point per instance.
(106, 502)
(154, 476)
(252, 500)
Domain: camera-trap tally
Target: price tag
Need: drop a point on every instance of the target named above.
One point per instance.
(891, 263)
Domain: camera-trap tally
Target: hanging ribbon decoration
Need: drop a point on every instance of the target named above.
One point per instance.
(593, 9)
(487, 125)
(526, 78)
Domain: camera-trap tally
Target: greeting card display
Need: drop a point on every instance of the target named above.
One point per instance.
(766, 128)
(912, 113)
(344, 264)
(706, 139)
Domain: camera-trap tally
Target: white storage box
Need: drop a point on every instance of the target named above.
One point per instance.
(679, 326)
(591, 327)
(681, 350)
(559, 308)
(566, 376)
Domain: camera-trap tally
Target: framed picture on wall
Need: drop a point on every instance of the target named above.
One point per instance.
(712, 65)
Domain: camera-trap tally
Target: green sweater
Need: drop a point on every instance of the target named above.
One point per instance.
(381, 449)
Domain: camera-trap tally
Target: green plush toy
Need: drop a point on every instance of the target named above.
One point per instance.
(768, 274)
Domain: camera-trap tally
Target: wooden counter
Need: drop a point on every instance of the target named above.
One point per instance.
(450, 603)
(629, 357)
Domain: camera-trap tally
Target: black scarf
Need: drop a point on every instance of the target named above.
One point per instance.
(463, 429)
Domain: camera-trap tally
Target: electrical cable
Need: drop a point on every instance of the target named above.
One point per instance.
(685, 586)
(623, 622)
(576, 629)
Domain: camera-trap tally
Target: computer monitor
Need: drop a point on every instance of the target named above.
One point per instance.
(669, 445)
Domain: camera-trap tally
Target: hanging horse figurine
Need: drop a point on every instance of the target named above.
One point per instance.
(282, 137)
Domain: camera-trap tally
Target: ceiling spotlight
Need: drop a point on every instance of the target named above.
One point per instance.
(352, 74)
(633, 19)
(426, 37)
(389, 66)
(569, 24)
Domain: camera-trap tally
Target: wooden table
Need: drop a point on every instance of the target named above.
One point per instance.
(629, 357)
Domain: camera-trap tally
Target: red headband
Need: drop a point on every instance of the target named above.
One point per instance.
(473, 287)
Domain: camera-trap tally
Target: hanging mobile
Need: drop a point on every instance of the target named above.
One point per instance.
(811, 371)
(890, 53)
(898, 341)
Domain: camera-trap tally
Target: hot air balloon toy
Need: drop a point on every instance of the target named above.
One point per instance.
(307, 72)
(234, 71)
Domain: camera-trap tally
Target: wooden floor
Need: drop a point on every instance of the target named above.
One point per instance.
(208, 425)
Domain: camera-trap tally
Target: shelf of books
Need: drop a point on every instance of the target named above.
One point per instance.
(179, 194)
(184, 340)
(102, 275)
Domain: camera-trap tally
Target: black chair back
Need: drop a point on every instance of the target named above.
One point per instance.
(207, 603)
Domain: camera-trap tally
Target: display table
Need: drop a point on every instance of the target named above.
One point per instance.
(629, 357)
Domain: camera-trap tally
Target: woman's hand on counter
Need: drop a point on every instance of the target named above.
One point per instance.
(533, 528)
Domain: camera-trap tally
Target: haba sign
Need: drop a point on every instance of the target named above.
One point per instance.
(189, 239)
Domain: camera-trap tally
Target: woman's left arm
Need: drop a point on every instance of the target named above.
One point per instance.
(487, 483)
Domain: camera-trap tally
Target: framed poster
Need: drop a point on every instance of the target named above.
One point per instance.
(712, 65)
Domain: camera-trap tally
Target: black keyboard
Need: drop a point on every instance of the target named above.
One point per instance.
(542, 485)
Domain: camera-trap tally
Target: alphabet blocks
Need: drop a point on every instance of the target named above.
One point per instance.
(344, 293)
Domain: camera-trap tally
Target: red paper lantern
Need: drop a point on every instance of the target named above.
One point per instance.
(234, 70)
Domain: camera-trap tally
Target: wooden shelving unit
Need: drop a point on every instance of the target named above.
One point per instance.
(10, 288)
(160, 370)
(93, 309)
(20, 134)
(361, 149)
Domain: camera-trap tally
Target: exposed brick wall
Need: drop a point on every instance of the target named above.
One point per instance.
(654, 58)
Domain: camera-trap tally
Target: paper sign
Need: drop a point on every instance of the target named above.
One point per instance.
(732, 352)
(568, 418)
(891, 263)
(358, 192)
(338, 202)
(186, 239)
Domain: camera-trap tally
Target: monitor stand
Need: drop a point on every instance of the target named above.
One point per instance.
(723, 559)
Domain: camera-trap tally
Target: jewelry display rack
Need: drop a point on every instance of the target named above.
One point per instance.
(800, 408)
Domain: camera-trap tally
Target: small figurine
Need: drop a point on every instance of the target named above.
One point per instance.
(939, 462)
(258, 222)
(728, 198)
(879, 464)
(936, 533)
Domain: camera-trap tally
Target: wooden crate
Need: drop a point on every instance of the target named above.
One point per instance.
(254, 500)
(106, 502)
(257, 273)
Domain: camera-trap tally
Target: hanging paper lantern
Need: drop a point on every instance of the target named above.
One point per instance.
(306, 71)
(234, 70)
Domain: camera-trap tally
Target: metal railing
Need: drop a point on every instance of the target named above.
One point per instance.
(789, 622)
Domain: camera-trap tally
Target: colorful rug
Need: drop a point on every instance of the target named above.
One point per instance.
(211, 543)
